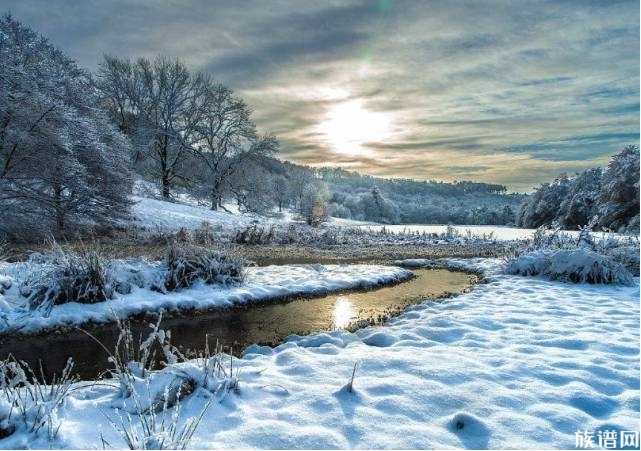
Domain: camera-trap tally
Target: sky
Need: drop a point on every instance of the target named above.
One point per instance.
(508, 92)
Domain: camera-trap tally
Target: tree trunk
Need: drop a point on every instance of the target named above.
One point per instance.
(165, 171)
(60, 214)
(214, 200)
(165, 186)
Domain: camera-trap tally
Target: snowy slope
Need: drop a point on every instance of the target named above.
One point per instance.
(517, 363)
(153, 214)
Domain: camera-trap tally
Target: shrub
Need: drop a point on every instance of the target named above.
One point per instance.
(255, 235)
(204, 234)
(66, 276)
(188, 263)
(149, 415)
(575, 265)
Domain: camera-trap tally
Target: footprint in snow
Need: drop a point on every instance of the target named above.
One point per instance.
(472, 432)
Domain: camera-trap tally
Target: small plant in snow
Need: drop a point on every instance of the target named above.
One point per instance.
(350, 385)
(218, 378)
(28, 403)
(149, 412)
(451, 232)
(157, 427)
(204, 234)
(133, 358)
(255, 235)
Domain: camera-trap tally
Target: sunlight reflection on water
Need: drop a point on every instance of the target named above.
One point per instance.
(343, 313)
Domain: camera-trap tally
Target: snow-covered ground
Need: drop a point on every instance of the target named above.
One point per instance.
(501, 233)
(153, 214)
(516, 363)
(261, 283)
(498, 232)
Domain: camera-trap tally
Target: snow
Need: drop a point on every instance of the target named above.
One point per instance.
(261, 283)
(152, 213)
(501, 233)
(517, 362)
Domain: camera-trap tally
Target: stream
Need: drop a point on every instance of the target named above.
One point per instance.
(236, 328)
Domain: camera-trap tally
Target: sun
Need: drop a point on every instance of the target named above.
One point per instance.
(348, 126)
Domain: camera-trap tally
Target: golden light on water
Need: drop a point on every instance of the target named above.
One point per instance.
(343, 313)
(348, 126)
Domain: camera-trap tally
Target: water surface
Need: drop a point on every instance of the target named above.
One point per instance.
(236, 328)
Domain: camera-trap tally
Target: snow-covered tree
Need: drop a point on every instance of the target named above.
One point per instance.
(61, 161)
(611, 195)
(158, 104)
(543, 206)
(619, 196)
(281, 191)
(376, 208)
(227, 138)
(313, 206)
(579, 205)
(252, 188)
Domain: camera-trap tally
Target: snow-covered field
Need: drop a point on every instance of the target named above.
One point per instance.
(519, 362)
(501, 233)
(516, 363)
(153, 214)
(498, 232)
(261, 283)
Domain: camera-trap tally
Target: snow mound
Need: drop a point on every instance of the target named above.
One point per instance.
(575, 265)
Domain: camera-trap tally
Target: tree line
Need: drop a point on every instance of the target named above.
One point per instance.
(72, 143)
(604, 198)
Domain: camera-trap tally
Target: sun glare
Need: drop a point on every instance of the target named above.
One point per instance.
(349, 125)
(343, 313)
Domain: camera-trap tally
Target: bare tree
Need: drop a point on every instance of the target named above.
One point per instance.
(227, 138)
(159, 105)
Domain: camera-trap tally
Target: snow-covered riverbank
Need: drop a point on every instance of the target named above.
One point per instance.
(261, 283)
(516, 363)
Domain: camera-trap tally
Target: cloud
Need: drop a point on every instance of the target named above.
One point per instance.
(502, 92)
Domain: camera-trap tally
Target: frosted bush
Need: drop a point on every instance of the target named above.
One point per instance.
(574, 265)
(187, 263)
(61, 276)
